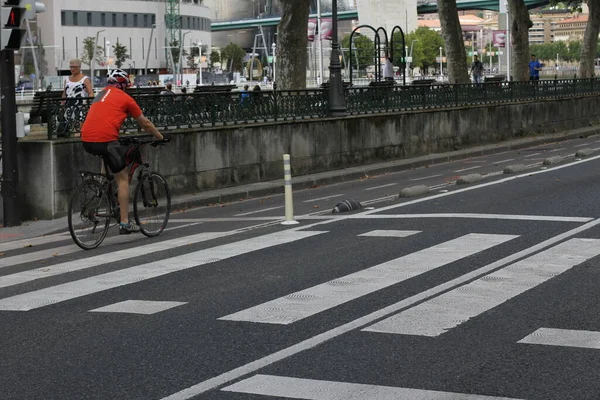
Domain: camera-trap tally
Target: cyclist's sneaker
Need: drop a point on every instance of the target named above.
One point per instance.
(126, 229)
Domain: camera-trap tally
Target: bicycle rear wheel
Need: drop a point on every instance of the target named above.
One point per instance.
(152, 204)
(89, 214)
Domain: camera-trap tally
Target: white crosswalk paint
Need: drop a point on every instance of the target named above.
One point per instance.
(303, 304)
(258, 211)
(323, 198)
(440, 314)
(73, 248)
(99, 283)
(120, 255)
(389, 233)
(298, 388)
(144, 307)
(22, 243)
(380, 186)
(563, 337)
(549, 218)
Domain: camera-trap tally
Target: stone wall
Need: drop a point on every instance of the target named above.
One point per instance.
(204, 159)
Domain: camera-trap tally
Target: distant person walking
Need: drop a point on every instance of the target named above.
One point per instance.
(388, 69)
(77, 87)
(477, 69)
(534, 69)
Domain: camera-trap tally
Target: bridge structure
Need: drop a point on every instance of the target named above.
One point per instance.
(423, 7)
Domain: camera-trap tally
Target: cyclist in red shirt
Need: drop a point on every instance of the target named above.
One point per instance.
(100, 134)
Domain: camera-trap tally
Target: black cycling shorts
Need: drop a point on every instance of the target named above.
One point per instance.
(115, 155)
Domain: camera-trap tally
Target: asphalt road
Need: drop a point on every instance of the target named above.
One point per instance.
(481, 291)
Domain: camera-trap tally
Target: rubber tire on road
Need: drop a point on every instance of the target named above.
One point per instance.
(139, 198)
(96, 187)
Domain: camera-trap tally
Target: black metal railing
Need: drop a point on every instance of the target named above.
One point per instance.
(239, 108)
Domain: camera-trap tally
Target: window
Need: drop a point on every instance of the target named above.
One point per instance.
(75, 18)
(145, 20)
(153, 19)
(114, 19)
(103, 19)
(89, 19)
(135, 20)
(124, 19)
(63, 18)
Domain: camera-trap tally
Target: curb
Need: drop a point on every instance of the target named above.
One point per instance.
(588, 151)
(468, 179)
(552, 160)
(414, 191)
(511, 169)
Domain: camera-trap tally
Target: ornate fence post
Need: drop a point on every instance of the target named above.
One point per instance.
(213, 109)
(275, 102)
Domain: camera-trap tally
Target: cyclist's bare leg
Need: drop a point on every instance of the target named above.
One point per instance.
(122, 179)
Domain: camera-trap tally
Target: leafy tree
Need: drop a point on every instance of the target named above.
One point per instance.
(121, 55)
(175, 51)
(363, 51)
(292, 32)
(190, 57)
(425, 48)
(215, 57)
(455, 47)
(40, 54)
(234, 55)
(519, 23)
(89, 53)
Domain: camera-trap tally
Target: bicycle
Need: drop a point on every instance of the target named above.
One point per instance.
(94, 202)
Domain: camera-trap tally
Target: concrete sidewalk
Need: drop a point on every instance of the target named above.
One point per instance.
(39, 228)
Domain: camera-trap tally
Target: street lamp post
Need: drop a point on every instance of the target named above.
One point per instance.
(93, 60)
(441, 71)
(337, 101)
(107, 50)
(274, 47)
(180, 55)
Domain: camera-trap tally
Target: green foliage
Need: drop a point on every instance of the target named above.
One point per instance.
(567, 51)
(215, 57)
(234, 53)
(363, 50)
(425, 49)
(88, 53)
(571, 5)
(175, 50)
(191, 62)
(121, 55)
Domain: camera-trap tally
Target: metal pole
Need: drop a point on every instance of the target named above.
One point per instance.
(507, 44)
(10, 178)
(93, 60)
(289, 200)
(149, 47)
(320, 77)
(441, 71)
(337, 101)
(35, 63)
(274, 47)
(200, 63)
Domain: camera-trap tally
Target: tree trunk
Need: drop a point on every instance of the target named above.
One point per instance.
(292, 34)
(590, 39)
(455, 47)
(519, 40)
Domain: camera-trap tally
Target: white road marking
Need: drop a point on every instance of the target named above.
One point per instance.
(258, 211)
(83, 287)
(531, 155)
(563, 337)
(389, 233)
(37, 241)
(440, 314)
(90, 262)
(581, 145)
(503, 161)
(468, 169)
(474, 216)
(236, 373)
(305, 303)
(181, 220)
(381, 187)
(60, 251)
(425, 177)
(323, 198)
(298, 388)
(139, 307)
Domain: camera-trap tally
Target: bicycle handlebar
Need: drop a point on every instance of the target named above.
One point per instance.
(143, 140)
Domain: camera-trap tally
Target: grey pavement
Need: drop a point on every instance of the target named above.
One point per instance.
(237, 193)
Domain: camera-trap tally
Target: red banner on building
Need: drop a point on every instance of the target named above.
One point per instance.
(499, 38)
(326, 28)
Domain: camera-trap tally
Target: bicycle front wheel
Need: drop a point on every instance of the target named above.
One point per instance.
(89, 214)
(152, 204)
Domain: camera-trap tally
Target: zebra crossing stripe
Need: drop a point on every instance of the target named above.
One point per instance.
(296, 306)
(22, 243)
(298, 388)
(563, 337)
(444, 312)
(85, 263)
(83, 287)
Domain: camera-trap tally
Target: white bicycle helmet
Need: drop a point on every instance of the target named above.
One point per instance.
(118, 78)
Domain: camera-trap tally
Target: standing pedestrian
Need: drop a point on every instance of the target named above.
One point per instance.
(77, 87)
(534, 69)
(477, 69)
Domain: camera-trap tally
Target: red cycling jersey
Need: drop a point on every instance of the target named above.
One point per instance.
(106, 115)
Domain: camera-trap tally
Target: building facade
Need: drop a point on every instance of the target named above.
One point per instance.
(138, 25)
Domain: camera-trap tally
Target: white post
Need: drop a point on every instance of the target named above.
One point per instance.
(441, 72)
(274, 46)
(200, 63)
(108, 57)
(507, 44)
(289, 201)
